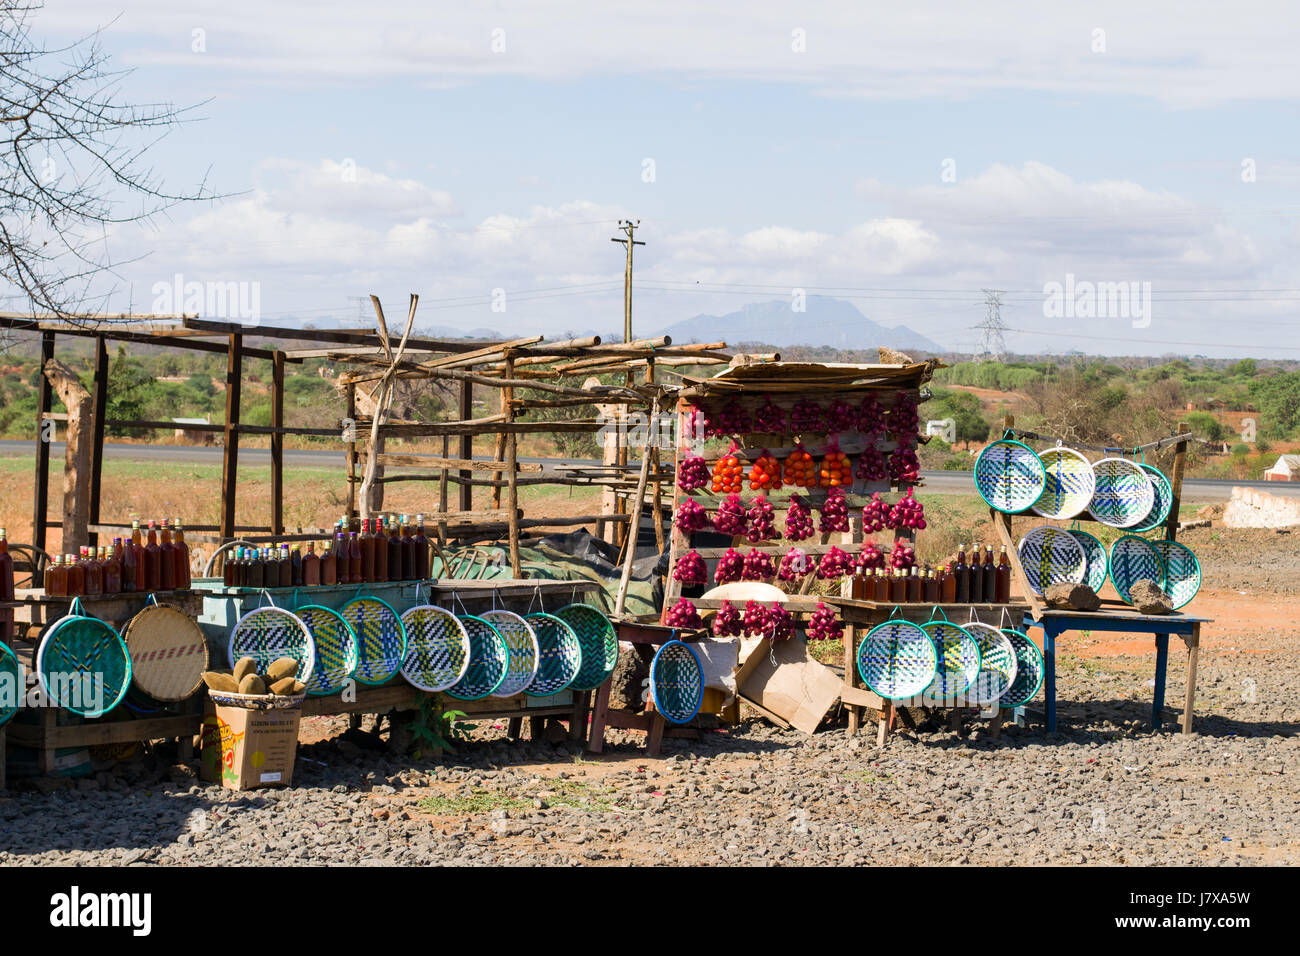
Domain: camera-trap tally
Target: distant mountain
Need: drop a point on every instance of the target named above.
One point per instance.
(827, 321)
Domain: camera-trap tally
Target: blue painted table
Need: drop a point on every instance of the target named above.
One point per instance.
(1055, 623)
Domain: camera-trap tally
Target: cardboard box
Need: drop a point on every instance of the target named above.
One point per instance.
(245, 749)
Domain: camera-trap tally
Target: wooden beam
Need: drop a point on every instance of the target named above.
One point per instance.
(466, 442)
(351, 431)
(348, 337)
(1176, 484)
(77, 448)
(230, 453)
(512, 473)
(97, 442)
(42, 477)
(634, 522)
(481, 427)
(277, 443)
(435, 461)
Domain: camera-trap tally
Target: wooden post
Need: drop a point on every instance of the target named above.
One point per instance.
(97, 446)
(277, 443)
(42, 476)
(512, 472)
(1193, 653)
(230, 456)
(657, 513)
(629, 552)
(1176, 485)
(76, 461)
(466, 444)
(443, 477)
(352, 450)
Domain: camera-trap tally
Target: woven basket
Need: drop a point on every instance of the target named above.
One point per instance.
(897, 660)
(336, 649)
(381, 639)
(257, 701)
(1029, 670)
(599, 643)
(1162, 501)
(1095, 554)
(1009, 476)
(1051, 556)
(1132, 559)
(957, 663)
(12, 690)
(489, 659)
(268, 633)
(558, 655)
(522, 644)
(437, 648)
(998, 664)
(82, 662)
(677, 682)
(168, 652)
(1182, 572)
(1069, 484)
(1123, 496)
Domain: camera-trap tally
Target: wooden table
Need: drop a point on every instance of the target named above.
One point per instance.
(1111, 618)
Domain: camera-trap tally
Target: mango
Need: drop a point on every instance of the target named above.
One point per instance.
(285, 686)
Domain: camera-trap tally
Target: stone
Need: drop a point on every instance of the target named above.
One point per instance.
(1071, 597)
(890, 356)
(1147, 598)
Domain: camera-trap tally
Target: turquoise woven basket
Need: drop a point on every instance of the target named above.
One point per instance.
(677, 682)
(83, 664)
(957, 663)
(12, 690)
(998, 664)
(1182, 572)
(522, 643)
(558, 655)
(381, 639)
(268, 633)
(599, 643)
(1098, 560)
(1029, 670)
(489, 659)
(897, 659)
(1124, 493)
(1070, 484)
(437, 648)
(1009, 476)
(1051, 555)
(1162, 500)
(336, 649)
(1131, 560)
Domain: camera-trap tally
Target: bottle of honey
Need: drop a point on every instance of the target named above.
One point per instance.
(137, 550)
(48, 579)
(394, 549)
(94, 575)
(295, 562)
(152, 561)
(255, 570)
(931, 595)
(367, 542)
(989, 571)
(421, 544)
(310, 567)
(76, 578)
(948, 587)
(881, 586)
(56, 577)
(182, 555)
(898, 587)
(354, 558)
(1002, 587)
(329, 566)
(962, 574)
(113, 569)
(408, 550)
(381, 551)
(166, 559)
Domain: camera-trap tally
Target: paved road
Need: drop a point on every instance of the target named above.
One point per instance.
(936, 482)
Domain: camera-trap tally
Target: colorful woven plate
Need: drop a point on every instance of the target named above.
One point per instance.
(489, 659)
(1132, 559)
(558, 655)
(1123, 496)
(1029, 670)
(12, 690)
(336, 649)
(599, 643)
(268, 633)
(168, 652)
(677, 682)
(1095, 554)
(998, 664)
(1069, 484)
(1051, 556)
(957, 664)
(897, 659)
(381, 639)
(437, 648)
(1182, 572)
(1009, 476)
(522, 643)
(83, 664)
(1161, 503)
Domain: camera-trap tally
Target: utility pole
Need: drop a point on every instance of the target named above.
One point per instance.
(628, 227)
(992, 344)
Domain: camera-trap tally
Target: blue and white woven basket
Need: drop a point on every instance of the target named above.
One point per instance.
(1161, 502)
(1182, 572)
(998, 664)
(381, 639)
(1009, 476)
(437, 648)
(1124, 493)
(267, 633)
(522, 644)
(1050, 556)
(558, 655)
(1070, 483)
(897, 659)
(489, 659)
(677, 682)
(1095, 554)
(957, 663)
(336, 649)
(1029, 670)
(1133, 559)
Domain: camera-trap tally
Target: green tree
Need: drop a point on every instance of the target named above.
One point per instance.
(1205, 425)
(1278, 399)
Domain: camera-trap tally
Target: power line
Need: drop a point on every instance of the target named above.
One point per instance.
(992, 344)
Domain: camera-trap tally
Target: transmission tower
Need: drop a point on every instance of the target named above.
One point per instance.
(992, 345)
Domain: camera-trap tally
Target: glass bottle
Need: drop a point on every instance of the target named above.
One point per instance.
(898, 587)
(420, 541)
(152, 561)
(914, 586)
(960, 572)
(76, 577)
(113, 569)
(94, 574)
(394, 550)
(48, 578)
(408, 550)
(295, 561)
(354, 558)
(255, 570)
(381, 551)
(931, 595)
(881, 585)
(286, 567)
(342, 556)
(137, 549)
(56, 577)
(976, 576)
(329, 566)
(367, 543)
(948, 587)
(182, 555)
(310, 567)
(166, 559)
(989, 570)
(1002, 587)
(227, 567)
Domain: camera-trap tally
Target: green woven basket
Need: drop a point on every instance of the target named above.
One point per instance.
(559, 655)
(437, 648)
(1131, 560)
(83, 664)
(268, 633)
(522, 643)
(1162, 501)
(12, 690)
(957, 663)
(599, 643)
(336, 649)
(381, 639)
(1098, 560)
(998, 664)
(1182, 572)
(1029, 670)
(489, 659)
(897, 659)
(1009, 476)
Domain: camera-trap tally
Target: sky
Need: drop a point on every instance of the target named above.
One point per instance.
(901, 156)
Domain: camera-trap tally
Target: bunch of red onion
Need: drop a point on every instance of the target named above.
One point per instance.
(755, 619)
(691, 517)
(758, 566)
(807, 416)
(834, 512)
(872, 465)
(871, 417)
(834, 564)
(903, 555)
(907, 513)
(904, 418)
(690, 570)
(798, 521)
(904, 465)
(841, 417)
(683, 614)
(824, 625)
(698, 424)
(875, 514)
(733, 419)
(869, 557)
(761, 521)
(731, 515)
(726, 623)
(794, 565)
(780, 623)
(769, 418)
(730, 566)
(693, 473)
